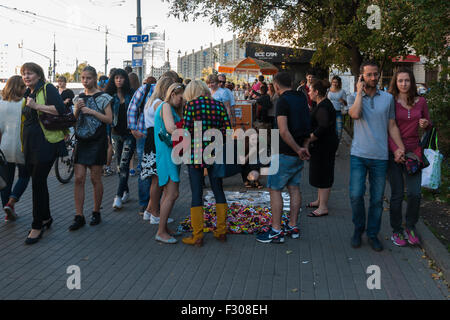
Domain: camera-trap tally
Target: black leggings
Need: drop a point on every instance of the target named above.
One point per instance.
(41, 204)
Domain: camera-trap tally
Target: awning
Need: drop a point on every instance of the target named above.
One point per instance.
(408, 58)
(250, 65)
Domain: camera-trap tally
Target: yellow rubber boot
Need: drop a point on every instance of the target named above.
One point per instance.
(197, 225)
(221, 214)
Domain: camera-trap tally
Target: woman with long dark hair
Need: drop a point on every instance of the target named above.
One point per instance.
(411, 113)
(123, 141)
(41, 147)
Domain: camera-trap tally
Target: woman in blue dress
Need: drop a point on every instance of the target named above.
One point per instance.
(167, 115)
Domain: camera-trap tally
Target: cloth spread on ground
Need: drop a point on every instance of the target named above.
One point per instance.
(243, 215)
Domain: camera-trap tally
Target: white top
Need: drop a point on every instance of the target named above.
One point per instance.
(334, 98)
(149, 113)
(10, 118)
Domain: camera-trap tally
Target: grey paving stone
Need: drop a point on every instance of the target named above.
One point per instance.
(119, 259)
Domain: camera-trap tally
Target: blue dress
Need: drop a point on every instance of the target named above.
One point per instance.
(164, 165)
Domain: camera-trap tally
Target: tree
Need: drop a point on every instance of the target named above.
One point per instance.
(337, 29)
(67, 75)
(79, 69)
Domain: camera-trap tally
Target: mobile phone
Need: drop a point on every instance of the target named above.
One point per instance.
(361, 78)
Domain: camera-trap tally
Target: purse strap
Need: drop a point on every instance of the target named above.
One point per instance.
(433, 133)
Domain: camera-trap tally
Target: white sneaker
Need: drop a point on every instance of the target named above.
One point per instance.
(147, 215)
(155, 220)
(117, 204)
(125, 197)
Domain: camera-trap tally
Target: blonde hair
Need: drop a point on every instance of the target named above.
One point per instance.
(14, 89)
(176, 88)
(195, 89)
(161, 88)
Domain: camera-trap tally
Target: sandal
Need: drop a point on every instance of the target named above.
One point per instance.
(314, 214)
(310, 205)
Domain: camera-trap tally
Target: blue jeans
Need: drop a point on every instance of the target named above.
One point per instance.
(377, 169)
(196, 180)
(143, 185)
(124, 147)
(19, 187)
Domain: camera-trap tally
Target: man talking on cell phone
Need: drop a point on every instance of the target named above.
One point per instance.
(373, 112)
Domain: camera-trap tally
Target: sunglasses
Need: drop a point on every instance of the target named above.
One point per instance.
(222, 81)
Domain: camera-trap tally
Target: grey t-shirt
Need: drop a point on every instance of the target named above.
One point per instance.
(334, 98)
(370, 131)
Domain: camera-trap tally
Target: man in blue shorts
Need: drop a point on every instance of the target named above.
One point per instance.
(293, 121)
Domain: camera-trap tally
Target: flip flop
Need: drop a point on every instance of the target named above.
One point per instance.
(309, 205)
(315, 215)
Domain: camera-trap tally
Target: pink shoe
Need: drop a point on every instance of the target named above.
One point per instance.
(412, 237)
(398, 239)
(10, 212)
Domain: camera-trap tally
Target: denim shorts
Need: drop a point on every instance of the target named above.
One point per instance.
(289, 172)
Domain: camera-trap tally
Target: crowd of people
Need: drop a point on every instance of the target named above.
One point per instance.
(116, 115)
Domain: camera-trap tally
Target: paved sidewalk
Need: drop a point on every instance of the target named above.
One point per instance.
(119, 259)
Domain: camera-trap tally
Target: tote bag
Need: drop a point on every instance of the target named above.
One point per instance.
(431, 175)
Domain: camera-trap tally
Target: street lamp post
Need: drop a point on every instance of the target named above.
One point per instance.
(139, 32)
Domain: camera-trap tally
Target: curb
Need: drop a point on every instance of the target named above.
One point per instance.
(434, 248)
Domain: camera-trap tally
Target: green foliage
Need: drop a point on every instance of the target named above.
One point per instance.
(438, 99)
(67, 75)
(336, 29)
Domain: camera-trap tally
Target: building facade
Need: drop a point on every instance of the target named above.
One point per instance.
(192, 65)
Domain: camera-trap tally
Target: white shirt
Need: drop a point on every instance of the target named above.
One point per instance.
(10, 122)
(149, 113)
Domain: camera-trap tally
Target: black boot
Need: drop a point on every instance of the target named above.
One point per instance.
(95, 219)
(78, 223)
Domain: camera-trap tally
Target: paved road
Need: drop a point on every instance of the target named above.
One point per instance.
(119, 258)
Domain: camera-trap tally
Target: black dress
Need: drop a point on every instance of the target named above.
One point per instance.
(94, 151)
(36, 148)
(323, 150)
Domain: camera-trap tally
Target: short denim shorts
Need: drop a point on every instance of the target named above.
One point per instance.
(289, 172)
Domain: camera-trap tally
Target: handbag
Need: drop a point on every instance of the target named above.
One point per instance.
(431, 175)
(3, 164)
(412, 163)
(88, 127)
(57, 122)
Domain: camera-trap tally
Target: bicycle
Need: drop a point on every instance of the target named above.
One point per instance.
(64, 167)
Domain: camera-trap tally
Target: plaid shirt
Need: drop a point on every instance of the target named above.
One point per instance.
(133, 122)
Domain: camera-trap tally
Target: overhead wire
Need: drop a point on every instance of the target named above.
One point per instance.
(59, 22)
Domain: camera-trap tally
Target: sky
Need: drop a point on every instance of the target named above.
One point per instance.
(63, 18)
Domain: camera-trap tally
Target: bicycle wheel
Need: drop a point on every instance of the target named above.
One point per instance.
(64, 166)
